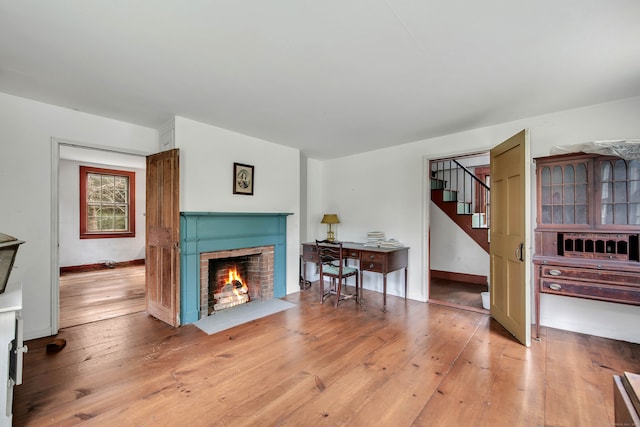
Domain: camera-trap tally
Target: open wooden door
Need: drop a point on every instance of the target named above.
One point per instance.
(510, 291)
(163, 237)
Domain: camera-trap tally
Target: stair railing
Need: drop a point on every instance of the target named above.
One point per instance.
(468, 188)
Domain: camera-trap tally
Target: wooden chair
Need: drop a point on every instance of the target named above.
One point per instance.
(332, 265)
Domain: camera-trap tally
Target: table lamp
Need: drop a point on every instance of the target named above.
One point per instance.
(330, 219)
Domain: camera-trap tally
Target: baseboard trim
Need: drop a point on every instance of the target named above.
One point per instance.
(475, 279)
(99, 266)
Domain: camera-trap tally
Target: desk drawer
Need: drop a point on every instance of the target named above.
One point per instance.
(590, 275)
(613, 293)
(371, 266)
(372, 257)
(350, 253)
(309, 253)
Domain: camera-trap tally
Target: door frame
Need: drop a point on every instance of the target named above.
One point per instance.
(56, 143)
(426, 249)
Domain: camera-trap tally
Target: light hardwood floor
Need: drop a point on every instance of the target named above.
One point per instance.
(100, 294)
(417, 364)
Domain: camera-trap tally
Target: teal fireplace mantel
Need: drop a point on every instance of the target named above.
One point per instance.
(216, 231)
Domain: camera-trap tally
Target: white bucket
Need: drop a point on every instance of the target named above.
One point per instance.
(486, 301)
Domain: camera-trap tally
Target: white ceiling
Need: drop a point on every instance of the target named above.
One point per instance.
(332, 77)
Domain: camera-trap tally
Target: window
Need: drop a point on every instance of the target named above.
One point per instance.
(107, 203)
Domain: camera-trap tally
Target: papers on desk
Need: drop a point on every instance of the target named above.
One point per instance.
(376, 239)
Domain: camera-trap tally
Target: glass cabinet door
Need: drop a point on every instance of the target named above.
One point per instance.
(619, 192)
(564, 194)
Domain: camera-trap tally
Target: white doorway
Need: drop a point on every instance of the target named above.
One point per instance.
(68, 249)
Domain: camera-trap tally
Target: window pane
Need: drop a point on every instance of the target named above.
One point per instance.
(568, 175)
(557, 175)
(557, 194)
(634, 191)
(606, 194)
(581, 214)
(620, 214)
(546, 214)
(546, 195)
(620, 171)
(634, 169)
(568, 195)
(557, 214)
(569, 212)
(120, 223)
(120, 196)
(634, 213)
(546, 176)
(620, 192)
(607, 214)
(581, 193)
(605, 171)
(581, 173)
(106, 223)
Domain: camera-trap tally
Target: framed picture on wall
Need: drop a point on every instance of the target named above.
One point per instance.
(243, 179)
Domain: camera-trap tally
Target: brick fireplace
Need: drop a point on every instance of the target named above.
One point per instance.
(253, 265)
(205, 233)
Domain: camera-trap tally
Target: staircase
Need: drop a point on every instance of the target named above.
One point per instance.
(463, 197)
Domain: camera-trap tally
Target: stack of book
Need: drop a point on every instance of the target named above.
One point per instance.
(376, 239)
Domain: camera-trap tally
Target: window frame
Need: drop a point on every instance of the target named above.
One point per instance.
(131, 175)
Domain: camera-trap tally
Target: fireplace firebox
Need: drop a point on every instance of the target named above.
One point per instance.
(233, 277)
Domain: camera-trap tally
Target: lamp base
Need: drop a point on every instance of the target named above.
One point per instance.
(331, 236)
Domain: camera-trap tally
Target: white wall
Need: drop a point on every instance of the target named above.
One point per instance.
(75, 251)
(26, 130)
(207, 154)
(453, 249)
(384, 190)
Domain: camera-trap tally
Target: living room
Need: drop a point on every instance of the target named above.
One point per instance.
(379, 188)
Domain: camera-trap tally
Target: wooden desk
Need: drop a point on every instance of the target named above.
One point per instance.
(373, 259)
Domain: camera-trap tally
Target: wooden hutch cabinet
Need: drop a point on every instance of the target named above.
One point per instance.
(588, 228)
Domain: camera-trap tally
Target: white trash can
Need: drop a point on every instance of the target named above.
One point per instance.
(486, 301)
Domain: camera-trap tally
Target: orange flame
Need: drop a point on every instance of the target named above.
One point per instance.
(234, 276)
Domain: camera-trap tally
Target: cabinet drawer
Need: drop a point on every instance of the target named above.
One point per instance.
(590, 275)
(624, 294)
(366, 265)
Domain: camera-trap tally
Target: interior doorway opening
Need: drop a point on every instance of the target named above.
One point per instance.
(93, 279)
(459, 214)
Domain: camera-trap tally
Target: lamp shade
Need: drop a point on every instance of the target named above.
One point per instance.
(330, 219)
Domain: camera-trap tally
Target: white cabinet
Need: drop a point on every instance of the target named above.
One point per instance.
(11, 348)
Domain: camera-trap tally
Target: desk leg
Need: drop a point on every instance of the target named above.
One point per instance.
(405, 283)
(384, 292)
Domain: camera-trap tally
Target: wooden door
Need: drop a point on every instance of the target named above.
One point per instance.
(510, 291)
(163, 237)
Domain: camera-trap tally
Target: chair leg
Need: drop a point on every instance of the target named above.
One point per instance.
(321, 289)
(338, 289)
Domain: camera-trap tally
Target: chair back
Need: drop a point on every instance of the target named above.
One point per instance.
(329, 253)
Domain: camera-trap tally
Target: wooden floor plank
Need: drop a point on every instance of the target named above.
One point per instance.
(95, 295)
(416, 364)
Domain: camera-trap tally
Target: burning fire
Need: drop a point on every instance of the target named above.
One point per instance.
(233, 292)
(236, 280)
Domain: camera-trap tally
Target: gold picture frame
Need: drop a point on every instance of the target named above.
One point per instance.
(243, 178)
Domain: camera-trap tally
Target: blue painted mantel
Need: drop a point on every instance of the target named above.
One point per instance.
(217, 231)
